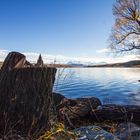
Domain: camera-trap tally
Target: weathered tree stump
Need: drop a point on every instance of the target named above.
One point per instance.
(25, 99)
(25, 96)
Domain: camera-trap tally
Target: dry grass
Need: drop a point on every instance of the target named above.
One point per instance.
(58, 132)
(0, 64)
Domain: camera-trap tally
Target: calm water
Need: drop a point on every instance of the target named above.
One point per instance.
(110, 85)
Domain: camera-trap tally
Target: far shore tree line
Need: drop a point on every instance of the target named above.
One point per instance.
(125, 35)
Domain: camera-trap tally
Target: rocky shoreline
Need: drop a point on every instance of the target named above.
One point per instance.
(92, 120)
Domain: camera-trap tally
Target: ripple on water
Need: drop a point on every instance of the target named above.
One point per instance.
(113, 85)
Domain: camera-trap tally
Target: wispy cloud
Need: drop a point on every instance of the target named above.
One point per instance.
(104, 50)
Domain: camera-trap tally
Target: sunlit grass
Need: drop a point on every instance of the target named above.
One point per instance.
(58, 132)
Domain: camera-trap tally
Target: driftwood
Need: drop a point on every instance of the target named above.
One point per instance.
(116, 113)
(25, 96)
(75, 113)
(84, 114)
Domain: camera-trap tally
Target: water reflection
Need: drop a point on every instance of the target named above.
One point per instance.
(111, 85)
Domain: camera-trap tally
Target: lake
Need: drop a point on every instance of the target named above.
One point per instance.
(110, 85)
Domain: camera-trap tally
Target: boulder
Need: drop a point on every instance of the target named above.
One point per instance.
(94, 133)
(128, 130)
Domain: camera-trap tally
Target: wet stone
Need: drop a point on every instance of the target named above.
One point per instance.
(94, 133)
(128, 131)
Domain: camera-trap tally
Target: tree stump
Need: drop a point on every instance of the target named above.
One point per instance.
(25, 97)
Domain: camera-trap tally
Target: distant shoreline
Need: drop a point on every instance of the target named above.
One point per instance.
(129, 64)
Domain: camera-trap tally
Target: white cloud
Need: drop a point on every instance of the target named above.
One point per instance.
(32, 57)
(104, 50)
(3, 54)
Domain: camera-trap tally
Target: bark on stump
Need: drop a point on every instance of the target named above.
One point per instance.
(25, 100)
(12, 59)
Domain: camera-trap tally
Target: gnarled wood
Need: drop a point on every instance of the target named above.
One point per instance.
(75, 115)
(116, 113)
(39, 62)
(25, 99)
(25, 96)
(75, 112)
(13, 59)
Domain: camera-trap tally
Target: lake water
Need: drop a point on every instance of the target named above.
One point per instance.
(110, 85)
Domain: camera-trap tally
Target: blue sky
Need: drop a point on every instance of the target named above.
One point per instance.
(74, 28)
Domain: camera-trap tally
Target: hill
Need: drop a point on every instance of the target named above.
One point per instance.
(134, 63)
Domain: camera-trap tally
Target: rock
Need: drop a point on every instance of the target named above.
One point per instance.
(73, 110)
(94, 133)
(128, 131)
